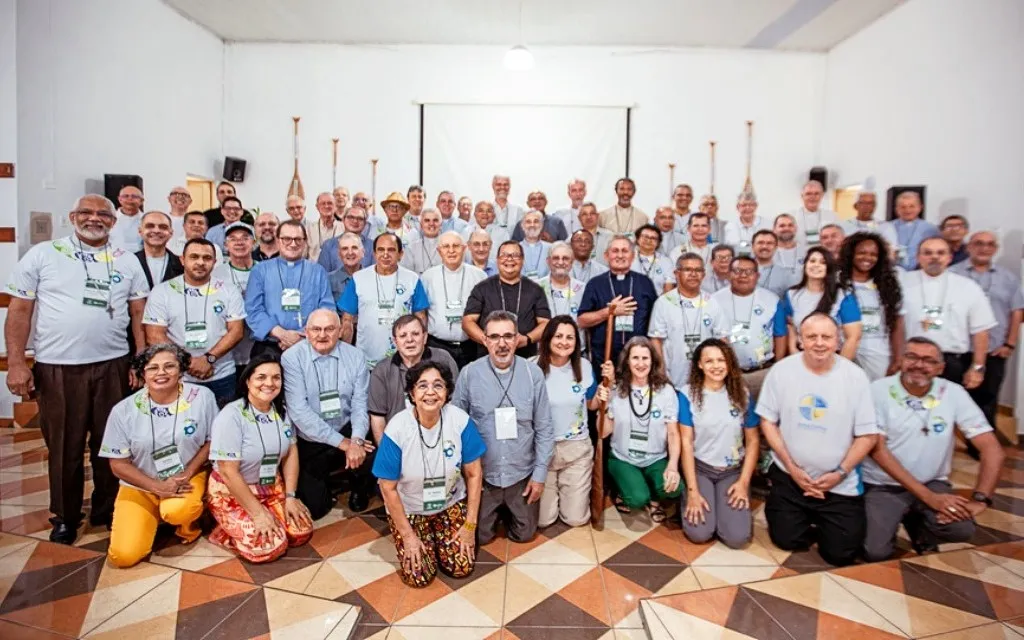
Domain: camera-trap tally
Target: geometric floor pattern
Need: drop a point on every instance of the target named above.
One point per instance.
(628, 581)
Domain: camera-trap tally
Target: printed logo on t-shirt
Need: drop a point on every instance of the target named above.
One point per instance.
(734, 412)
(938, 425)
(576, 388)
(655, 412)
(400, 290)
(116, 277)
(758, 310)
(218, 307)
(449, 449)
(288, 433)
(190, 426)
(813, 407)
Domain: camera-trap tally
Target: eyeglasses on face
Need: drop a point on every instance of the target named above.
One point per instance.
(290, 240)
(501, 337)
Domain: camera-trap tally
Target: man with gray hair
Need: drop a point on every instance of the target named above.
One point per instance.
(748, 223)
(909, 228)
(448, 286)
(296, 209)
(350, 253)
(569, 214)
(865, 205)
(552, 228)
(506, 396)
(449, 221)
(810, 217)
(479, 254)
(325, 227)
(421, 253)
(80, 294)
(505, 214)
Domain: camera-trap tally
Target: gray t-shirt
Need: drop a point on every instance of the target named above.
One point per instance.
(658, 268)
(244, 435)
(642, 441)
(683, 323)
(919, 431)
(421, 254)
(136, 427)
(718, 427)
(387, 395)
(777, 278)
(240, 278)
(819, 415)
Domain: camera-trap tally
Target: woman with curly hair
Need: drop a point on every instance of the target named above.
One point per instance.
(641, 418)
(865, 267)
(819, 291)
(720, 447)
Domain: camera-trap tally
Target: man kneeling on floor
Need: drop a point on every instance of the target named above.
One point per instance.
(907, 474)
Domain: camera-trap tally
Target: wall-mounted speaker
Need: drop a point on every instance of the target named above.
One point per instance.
(234, 169)
(114, 182)
(895, 191)
(820, 175)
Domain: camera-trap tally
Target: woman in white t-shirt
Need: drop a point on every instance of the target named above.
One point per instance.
(819, 290)
(641, 418)
(572, 390)
(867, 269)
(720, 447)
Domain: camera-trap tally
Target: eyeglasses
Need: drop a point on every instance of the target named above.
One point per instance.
(286, 240)
(744, 272)
(356, 218)
(513, 257)
(504, 337)
(691, 270)
(156, 368)
(323, 330)
(438, 386)
(231, 209)
(913, 357)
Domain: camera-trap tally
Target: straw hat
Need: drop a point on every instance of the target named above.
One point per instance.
(397, 198)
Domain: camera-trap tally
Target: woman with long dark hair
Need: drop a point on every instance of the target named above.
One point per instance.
(819, 291)
(720, 446)
(251, 491)
(572, 390)
(866, 268)
(642, 420)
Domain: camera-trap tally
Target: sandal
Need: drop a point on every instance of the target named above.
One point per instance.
(620, 505)
(656, 512)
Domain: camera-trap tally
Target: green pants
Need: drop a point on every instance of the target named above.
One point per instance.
(638, 486)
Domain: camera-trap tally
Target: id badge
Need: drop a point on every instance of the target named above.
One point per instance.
(932, 319)
(532, 275)
(97, 293)
(435, 494)
(812, 236)
(744, 249)
(291, 300)
(268, 470)
(506, 424)
(195, 335)
(692, 340)
(167, 462)
(901, 252)
(637, 444)
(624, 323)
(871, 319)
(330, 405)
(454, 310)
(386, 314)
(740, 333)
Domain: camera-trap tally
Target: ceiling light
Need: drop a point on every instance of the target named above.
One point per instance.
(518, 58)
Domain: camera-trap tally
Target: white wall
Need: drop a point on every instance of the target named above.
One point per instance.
(8, 153)
(112, 86)
(933, 93)
(365, 96)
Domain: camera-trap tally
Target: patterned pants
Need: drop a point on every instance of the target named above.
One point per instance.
(437, 532)
(235, 529)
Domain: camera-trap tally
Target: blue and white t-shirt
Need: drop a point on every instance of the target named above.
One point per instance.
(751, 325)
(404, 458)
(654, 424)
(800, 303)
(378, 301)
(244, 435)
(683, 323)
(718, 436)
(568, 399)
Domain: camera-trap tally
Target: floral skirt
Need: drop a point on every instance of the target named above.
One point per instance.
(235, 529)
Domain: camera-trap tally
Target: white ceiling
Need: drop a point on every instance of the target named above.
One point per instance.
(800, 25)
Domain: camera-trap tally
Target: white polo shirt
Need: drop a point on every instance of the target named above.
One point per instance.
(919, 431)
(819, 415)
(448, 291)
(683, 323)
(68, 329)
(659, 269)
(948, 309)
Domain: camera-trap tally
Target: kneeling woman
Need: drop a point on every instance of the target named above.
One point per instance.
(256, 468)
(720, 447)
(430, 476)
(645, 433)
(157, 440)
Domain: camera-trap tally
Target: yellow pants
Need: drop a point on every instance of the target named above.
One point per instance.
(137, 514)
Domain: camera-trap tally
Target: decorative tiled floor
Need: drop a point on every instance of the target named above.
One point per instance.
(566, 584)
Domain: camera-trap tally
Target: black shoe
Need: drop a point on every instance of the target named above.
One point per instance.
(63, 534)
(101, 521)
(358, 501)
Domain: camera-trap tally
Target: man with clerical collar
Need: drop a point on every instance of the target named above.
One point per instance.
(479, 254)
(448, 286)
(266, 236)
(584, 265)
(421, 253)
(910, 229)
(552, 229)
(506, 214)
(569, 214)
(325, 227)
(623, 217)
(906, 478)
(811, 216)
(509, 291)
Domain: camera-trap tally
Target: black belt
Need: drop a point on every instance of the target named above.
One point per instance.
(756, 369)
(447, 343)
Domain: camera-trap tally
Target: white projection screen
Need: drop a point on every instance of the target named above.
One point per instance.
(539, 147)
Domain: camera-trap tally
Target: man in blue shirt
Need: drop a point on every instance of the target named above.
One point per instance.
(910, 229)
(325, 384)
(355, 222)
(283, 292)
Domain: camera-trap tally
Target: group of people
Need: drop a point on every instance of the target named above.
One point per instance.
(266, 365)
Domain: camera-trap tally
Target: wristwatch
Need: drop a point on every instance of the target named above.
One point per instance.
(212, 359)
(978, 496)
(842, 473)
(980, 368)
(289, 494)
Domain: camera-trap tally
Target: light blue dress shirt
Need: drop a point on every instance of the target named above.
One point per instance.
(263, 294)
(307, 374)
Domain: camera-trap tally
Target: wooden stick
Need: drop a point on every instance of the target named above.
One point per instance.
(671, 180)
(295, 187)
(712, 189)
(373, 186)
(334, 164)
(597, 480)
(748, 185)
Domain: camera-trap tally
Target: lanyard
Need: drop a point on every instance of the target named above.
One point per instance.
(462, 281)
(568, 296)
(504, 389)
(703, 253)
(519, 297)
(234, 279)
(768, 278)
(647, 270)
(817, 227)
(320, 232)
(259, 430)
(750, 315)
(912, 227)
(424, 447)
(427, 254)
(643, 419)
(504, 223)
(380, 289)
(85, 264)
(585, 275)
(152, 424)
(618, 219)
(540, 254)
(206, 298)
(280, 274)
(316, 370)
(701, 303)
(749, 231)
(942, 298)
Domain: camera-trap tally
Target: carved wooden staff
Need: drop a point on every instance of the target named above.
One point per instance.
(711, 191)
(295, 189)
(671, 179)
(748, 185)
(597, 480)
(373, 186)
(334, 164)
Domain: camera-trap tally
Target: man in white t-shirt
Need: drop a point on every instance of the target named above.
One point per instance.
(79, 293)
(448, 286)
(907, 475)
(811, 216)
(569, 214)
(421, 254)
(505, 214)
(195, 227)
(818, 418)
(125, 233)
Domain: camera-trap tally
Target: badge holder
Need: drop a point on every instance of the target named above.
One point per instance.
(637, 444)
(167, 462)
(692, 340)
(455, 311)
(268, 470)
(932, 318)
(740, 333)
(195, 335)
(871, 319)
(435, 494)
(97, 293)
(291, 300)
(330, 405)
(506, 423)
(385, 313)
(624, 323)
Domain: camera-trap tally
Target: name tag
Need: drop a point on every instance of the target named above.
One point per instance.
(291, 300)
(531, 274)
(740, 333)
(871, 319)
(932, 320)
(637, 444)
(743, 249)
(901, 252)
(268, 470)
(330, 405)
(97, 293)
(454, 310)
(386, 313)
(435, 494)
(506, 424)
(812, 236)
(624, 323)
(195, 335)
(692, 340)
(167, 462)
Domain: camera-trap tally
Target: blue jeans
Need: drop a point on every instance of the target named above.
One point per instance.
(223, 389)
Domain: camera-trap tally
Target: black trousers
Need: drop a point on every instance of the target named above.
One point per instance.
(987, 394)
(957, 365)
(795, 521)
(265, 346)
(461, 352)
(319, 467)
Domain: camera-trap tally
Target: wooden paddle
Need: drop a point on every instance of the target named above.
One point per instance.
(597, 482)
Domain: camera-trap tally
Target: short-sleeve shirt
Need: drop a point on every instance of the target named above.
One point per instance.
(137, 427)
(378, 301)
(240, 278)
(568, 398)
(585, 272)
(535, 259)
(919, 431)
(1004, 293)
(67, 330)
(448, 292)
(409, 454)
(683, 323)
(750, 324)
(174, 305)
(777, 278)
(563, 302)
(819, 415)
(525, 299)
(244, 435)
(874, 350)
(387, 395)
(797, 304)
(948, 309)
(663, 415)
(658, 269)
(718, 437)
(421, 255)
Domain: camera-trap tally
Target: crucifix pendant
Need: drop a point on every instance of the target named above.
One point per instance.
(924, 430)
(110, 312)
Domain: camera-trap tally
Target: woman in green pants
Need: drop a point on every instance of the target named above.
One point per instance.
(642, 418)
